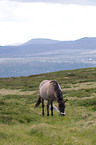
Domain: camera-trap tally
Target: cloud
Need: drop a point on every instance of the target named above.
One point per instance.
(78, 2)
(22, 20)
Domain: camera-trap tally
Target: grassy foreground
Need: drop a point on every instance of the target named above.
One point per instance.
(21, 124)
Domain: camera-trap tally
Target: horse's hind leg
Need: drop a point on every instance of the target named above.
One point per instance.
(42, 106)
(51, 108)
(48, 108)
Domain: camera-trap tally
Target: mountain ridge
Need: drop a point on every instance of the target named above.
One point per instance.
(41, 41)
(37, 46)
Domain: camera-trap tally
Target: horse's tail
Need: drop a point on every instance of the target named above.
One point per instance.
(38, 102)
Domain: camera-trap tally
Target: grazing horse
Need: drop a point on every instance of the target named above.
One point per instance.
(50, 90)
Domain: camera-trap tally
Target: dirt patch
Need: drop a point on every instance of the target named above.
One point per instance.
(87, 85)
(40, 77)
(15, 92)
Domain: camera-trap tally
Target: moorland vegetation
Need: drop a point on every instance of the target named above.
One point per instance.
(21, 124)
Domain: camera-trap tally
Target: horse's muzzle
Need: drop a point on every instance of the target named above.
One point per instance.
(63, 114)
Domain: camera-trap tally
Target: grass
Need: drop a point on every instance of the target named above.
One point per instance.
(21, 124)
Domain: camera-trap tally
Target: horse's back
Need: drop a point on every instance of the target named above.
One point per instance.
(43, 83)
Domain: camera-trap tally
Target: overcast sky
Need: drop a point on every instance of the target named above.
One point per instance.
(22, 20)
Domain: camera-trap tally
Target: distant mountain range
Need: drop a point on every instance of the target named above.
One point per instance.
(38, 46)
(45, 55)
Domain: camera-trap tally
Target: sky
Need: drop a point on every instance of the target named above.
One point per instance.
(22, 20)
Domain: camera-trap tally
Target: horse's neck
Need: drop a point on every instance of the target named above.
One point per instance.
(58, 95)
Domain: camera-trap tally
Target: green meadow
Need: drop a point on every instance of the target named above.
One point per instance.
(21, 124)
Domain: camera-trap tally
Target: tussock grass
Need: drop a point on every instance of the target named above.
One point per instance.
(89, 102)
(21, 124)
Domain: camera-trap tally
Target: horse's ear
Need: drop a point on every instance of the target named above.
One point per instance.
(65, 100)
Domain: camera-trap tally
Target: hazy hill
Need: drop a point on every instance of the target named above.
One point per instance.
(41, 41)
(36, 46)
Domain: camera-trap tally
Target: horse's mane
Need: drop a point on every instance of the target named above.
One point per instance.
(57, 90)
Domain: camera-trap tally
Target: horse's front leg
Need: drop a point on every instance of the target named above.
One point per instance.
(42, 106)
(48, 108)
(51, 108)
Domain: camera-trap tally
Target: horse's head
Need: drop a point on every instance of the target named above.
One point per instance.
(61, 107)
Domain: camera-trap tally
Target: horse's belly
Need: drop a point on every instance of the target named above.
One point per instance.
(47, 94)
(46, 91)
(43, 94)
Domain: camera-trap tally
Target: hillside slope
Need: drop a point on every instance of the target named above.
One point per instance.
(21, 124)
